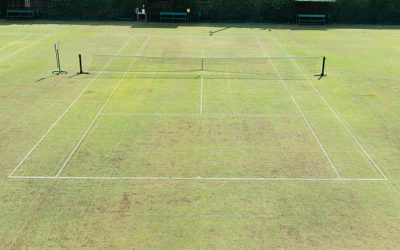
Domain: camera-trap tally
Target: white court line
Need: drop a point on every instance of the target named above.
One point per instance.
(214, 115)
(191, 50)
(68, 108)
(201, 89)
(14, 42)
(370, 158)
(194, 178)
(22, 49)
(301, 113)
(100, 111)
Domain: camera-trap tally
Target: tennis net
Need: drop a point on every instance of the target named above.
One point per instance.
(222, 65)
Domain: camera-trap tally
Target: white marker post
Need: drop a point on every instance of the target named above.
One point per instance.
(57, 50)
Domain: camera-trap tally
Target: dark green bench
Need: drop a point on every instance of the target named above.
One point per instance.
(20, 14)
(173, 16)
(311, 18)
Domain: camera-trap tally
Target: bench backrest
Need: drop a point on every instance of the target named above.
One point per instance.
(20, 11)
(173, 13)
(312, 15)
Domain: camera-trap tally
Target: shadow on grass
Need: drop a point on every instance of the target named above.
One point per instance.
(221, 25)
(45, 78)
(195, 75)
(213, 32)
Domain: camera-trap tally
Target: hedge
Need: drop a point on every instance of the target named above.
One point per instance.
(343, 11)
(90, 9)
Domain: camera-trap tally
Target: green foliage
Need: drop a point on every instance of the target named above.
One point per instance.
(3, 5)
(353, 11)
(272, 10)
(349, 11)
(103, 9)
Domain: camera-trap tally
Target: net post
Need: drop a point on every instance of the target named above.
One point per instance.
(81, 66)
(202, 64)
(323, 66)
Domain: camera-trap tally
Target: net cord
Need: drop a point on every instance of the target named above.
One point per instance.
(212, 58)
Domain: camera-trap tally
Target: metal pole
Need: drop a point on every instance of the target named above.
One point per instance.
(323, 66)
(80, 64)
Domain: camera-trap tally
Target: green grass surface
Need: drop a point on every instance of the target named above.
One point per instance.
(315, 142)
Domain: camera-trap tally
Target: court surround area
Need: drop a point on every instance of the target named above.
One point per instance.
(200, 135)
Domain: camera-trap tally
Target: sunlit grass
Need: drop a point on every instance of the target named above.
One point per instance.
(279, 121)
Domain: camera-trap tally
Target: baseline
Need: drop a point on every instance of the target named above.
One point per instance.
(194, 178)
(202, 114)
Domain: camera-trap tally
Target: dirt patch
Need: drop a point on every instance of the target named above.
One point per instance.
(125, 205)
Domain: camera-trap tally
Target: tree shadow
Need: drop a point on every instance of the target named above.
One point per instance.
(222, 25)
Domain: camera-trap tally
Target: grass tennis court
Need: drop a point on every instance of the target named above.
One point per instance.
(172, 141)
